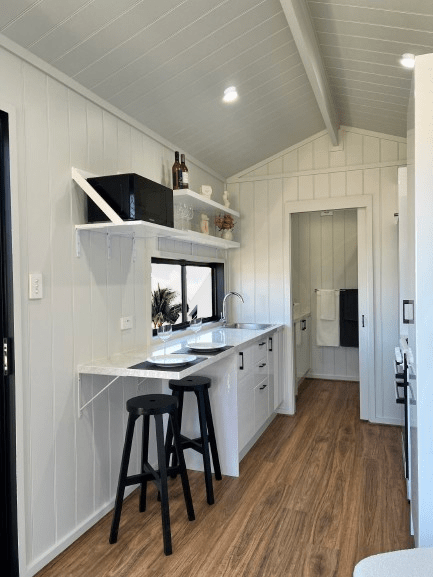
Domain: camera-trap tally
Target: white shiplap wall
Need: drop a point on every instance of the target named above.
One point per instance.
(364, 163)
(325, 255)
(68, 467)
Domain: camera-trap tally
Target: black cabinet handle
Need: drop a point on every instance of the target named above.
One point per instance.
(241, 368)
(270, 345)
(264, 387)
(262, 365)
(261, 344)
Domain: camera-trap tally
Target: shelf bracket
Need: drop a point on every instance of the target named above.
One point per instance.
(97, 198)
(82, 407)
(134, 248)
(108, 246)
(77, 243)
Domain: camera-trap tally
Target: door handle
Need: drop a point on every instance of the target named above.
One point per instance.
(5, 358)
(264, 387)
(241, 368)
(408, 312)
(363, 323)
(262, 365)
(270, 345)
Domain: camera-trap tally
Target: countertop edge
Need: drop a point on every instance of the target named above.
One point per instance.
(98, 367)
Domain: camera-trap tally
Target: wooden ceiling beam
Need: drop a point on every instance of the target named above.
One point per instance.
(301, 26)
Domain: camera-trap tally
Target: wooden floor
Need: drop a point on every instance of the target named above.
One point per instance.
(317, 493)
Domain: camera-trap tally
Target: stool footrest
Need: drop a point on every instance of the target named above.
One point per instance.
(150, 476)
(196, 444)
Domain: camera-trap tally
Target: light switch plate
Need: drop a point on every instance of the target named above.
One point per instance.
(126, 323)
(35, 286)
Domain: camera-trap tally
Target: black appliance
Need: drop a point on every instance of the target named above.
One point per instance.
(402, 398)
(132, 197)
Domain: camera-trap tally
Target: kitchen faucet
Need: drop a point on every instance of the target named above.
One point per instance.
(223, 314)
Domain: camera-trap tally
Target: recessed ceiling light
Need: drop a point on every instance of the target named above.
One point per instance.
(408, 60)
(230, 94)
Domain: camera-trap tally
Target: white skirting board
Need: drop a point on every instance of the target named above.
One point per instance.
(331, 377)
(52, 553)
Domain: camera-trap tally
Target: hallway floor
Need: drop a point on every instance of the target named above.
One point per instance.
(318, 492)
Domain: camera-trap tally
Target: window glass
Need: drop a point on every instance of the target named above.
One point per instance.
(166, 294)
(199, 291)
(183, 290)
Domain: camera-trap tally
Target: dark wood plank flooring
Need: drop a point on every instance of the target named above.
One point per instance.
(318, 492)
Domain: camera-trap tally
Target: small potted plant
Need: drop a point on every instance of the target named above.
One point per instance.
(225, 223)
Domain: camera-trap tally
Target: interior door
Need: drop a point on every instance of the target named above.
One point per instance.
(8, 513)
(365, 312)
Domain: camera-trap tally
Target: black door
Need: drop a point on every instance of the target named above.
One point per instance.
(8, 498)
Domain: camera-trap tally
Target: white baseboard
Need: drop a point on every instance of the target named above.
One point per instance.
(60, 546)
(331, 377)
(284, 411)
(258, 434)
(387, 421)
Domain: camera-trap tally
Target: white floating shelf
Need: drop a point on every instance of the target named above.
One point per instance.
(144, 229)
(140, 228)
(201, 202)
(208, 240)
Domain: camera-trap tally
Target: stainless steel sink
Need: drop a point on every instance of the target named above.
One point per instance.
(251, 326)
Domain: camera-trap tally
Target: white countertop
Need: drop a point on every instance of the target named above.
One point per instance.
(120, 364)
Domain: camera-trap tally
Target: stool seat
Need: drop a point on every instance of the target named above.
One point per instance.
(200, 386)
(155, 406)
(406, 563)
(190, 384)
(151, 405)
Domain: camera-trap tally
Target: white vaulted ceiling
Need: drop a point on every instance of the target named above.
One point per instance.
(166, 63)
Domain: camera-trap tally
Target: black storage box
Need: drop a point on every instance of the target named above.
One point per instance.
(132, 197)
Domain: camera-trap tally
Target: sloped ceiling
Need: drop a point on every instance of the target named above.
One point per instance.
(167, 62)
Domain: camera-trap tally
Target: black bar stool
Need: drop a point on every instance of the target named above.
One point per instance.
(199, 386)
(157, 406)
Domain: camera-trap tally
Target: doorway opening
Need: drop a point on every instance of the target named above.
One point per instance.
(359, 273)
(325, 295)
(8, 484)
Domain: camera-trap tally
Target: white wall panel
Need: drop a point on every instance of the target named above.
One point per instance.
(364, 163)
(261, 252)
(71, 464)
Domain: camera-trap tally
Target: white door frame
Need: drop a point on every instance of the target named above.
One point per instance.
(10, 109)
(364, 205)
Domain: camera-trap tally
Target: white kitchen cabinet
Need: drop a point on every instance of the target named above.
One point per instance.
(261, 404)
(275, 355)
(255, 402)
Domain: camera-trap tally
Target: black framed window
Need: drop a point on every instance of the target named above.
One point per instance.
(183, 290)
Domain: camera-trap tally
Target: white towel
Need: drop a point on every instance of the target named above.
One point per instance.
(327, 304)
(328, 331)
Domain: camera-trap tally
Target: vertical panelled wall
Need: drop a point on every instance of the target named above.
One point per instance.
(325, 255)
(364, 163)
(70, 464)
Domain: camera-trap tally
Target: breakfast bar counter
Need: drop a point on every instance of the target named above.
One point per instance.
(243, 375)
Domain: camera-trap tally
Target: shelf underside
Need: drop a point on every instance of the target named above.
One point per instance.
(143, 229)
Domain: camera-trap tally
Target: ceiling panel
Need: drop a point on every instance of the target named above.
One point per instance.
(167, 62)
(361, 43)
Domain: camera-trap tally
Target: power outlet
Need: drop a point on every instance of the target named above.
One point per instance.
(35, 286)
(126, 323)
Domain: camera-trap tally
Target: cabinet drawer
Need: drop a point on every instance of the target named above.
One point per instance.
(246, 422)
(252, 355)
(261, 403)
(261, 370)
